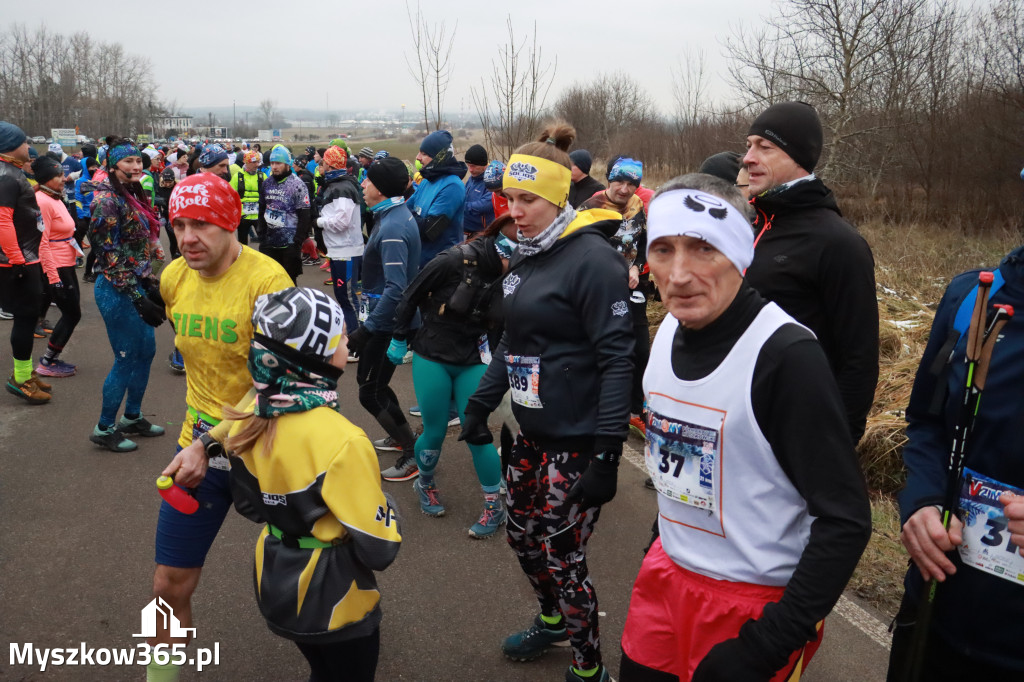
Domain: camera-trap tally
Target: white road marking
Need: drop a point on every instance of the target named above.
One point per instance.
(854, 614)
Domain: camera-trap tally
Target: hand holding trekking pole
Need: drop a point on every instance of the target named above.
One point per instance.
(981, 339)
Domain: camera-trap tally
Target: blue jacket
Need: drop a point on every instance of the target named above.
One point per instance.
(994, 451)
(391, 260)
(446, 196)
(479, 206)
(83, 202)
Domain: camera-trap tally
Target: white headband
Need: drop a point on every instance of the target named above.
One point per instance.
(687, 212)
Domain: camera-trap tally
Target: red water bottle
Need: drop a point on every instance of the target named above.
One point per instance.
(176, 496)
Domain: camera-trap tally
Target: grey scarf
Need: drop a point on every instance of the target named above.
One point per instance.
(549, 235)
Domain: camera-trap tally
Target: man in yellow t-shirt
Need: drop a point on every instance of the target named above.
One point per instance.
(209, 294)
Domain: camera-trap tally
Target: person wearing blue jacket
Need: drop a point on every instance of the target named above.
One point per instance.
(978, 614)
(479, 211)
(391, 261)
(439, 201)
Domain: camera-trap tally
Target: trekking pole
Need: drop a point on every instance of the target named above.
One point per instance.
(980, 341)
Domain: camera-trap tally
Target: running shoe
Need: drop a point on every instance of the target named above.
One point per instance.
(176, 362)
(638, 426)
(79, 262)
(89, 277)
(387, 444)
(46, 325)
(453, 419)
(112, 439)
(415, 411)
(329, 281)
(405, 469)
(353, 356)
(39, 332)
(29, 391)
(326, 265)
(649, 483)
(490, 521)
(139, 426)
(55, 368)
(600, 676)
(430, 502)
(532, 642)
(40, 383)
(4, 315)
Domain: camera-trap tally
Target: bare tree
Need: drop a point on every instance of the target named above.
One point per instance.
(433, 66)
(267, 112)
(511, 104)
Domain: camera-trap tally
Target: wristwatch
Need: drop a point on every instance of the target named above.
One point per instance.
(214, 448)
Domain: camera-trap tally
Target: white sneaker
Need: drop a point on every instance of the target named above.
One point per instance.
(4, 315)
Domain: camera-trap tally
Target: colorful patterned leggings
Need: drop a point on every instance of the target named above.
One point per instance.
(134, 345)
(550, 537)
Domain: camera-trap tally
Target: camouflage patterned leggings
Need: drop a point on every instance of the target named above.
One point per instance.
(550, 539)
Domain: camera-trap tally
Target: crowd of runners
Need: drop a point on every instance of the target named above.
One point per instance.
(519, 290)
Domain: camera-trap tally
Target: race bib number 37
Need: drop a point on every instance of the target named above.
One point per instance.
(986, 544)
(524, 380)
(683, 458)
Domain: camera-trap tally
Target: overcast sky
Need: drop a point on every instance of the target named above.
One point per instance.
(353, 54)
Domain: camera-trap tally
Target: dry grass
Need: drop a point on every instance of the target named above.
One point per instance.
(879, 575)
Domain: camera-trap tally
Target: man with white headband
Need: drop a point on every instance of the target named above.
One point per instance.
(763, 511)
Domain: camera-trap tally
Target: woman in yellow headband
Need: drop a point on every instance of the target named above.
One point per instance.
(566, 357)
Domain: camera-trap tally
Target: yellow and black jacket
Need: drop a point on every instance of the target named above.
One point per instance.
(329, 526)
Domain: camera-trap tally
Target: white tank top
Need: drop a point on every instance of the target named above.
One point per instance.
(726, 508)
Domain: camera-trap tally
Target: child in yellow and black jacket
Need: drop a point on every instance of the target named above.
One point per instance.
(313, 478)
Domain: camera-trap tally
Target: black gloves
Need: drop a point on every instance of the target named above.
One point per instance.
(736, 660)
(151, 313)
(475, 431)
(152, 289)
(598, 483)
(59, 292)
(358, 339)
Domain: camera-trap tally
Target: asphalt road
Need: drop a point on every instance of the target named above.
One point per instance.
(76, 553)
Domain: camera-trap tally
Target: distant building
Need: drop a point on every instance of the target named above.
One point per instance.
(178, 122)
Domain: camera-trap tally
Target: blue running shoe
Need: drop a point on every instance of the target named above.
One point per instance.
(176, 362)
(532, 642)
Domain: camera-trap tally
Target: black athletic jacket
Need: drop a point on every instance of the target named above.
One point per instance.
(568, 305)
(446, 334)
(798, 410)
(817, 268)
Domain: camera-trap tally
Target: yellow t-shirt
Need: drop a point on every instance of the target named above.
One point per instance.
(212, 319)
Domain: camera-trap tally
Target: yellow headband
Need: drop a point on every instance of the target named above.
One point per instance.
(546, 179)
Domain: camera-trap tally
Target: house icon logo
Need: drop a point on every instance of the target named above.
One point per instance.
(160, 611)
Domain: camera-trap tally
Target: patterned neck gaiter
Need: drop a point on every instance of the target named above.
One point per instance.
(283, 386)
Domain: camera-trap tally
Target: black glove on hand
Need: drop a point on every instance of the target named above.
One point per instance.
(475, 431)
(598, 483)
(358, 339)
(152, 289)
(59, 293)
(151, 313)
(736, 660)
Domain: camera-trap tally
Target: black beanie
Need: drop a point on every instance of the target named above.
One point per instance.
(724, 165)
(389, 176)
(46, 168)
(795, 128)
(581, 158)
(476, 155)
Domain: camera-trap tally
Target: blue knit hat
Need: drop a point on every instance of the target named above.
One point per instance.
(212, 155)
(435, 142)
(11, 137)
(281, 154)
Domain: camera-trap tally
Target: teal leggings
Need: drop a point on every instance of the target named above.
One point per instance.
(435, 384)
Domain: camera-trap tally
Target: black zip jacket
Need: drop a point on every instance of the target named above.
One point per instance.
(568, 306)
(447, 334)
(790, 389)
(817, 268)
(583, 190)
